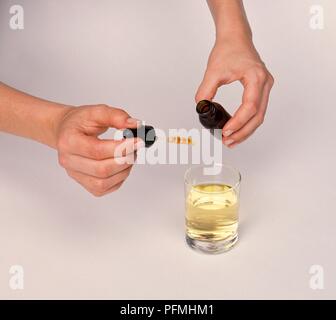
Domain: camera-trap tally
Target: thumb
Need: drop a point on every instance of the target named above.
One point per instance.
(207, 89)
(113, 117)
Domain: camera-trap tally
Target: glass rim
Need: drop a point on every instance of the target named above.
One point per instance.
(222, 165)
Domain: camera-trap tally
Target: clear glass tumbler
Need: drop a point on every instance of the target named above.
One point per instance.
(212, 203)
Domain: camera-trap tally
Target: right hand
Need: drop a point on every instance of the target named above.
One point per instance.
(236, 59)
(92, 161)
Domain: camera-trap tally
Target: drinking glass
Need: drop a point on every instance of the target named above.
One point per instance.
(212, 203)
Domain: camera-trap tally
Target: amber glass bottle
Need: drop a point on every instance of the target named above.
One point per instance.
(212, 115)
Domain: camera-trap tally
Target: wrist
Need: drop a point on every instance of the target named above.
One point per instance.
(234, 36)
(53, 123)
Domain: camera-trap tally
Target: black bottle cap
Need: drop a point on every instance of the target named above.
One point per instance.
(146, 133)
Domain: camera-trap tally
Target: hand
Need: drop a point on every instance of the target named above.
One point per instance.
(233, 60)
(91, 161)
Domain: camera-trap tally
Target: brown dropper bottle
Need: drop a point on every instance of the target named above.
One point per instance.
(212, 115)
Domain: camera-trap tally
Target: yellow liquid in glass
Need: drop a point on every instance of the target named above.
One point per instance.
(212, 212)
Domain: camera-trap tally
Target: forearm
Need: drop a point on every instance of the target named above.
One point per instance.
(230, 19)
(28, 116)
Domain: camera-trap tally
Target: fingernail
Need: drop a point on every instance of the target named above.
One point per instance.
(140, 144)
(232, 145)
(133, 121)
(228, 142)
(227, 133)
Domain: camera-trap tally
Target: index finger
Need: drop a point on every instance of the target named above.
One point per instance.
(99, 149)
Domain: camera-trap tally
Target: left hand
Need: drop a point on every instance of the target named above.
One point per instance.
(237, 60)
(100, 165)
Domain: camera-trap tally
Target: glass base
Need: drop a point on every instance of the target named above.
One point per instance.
(212, 247)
